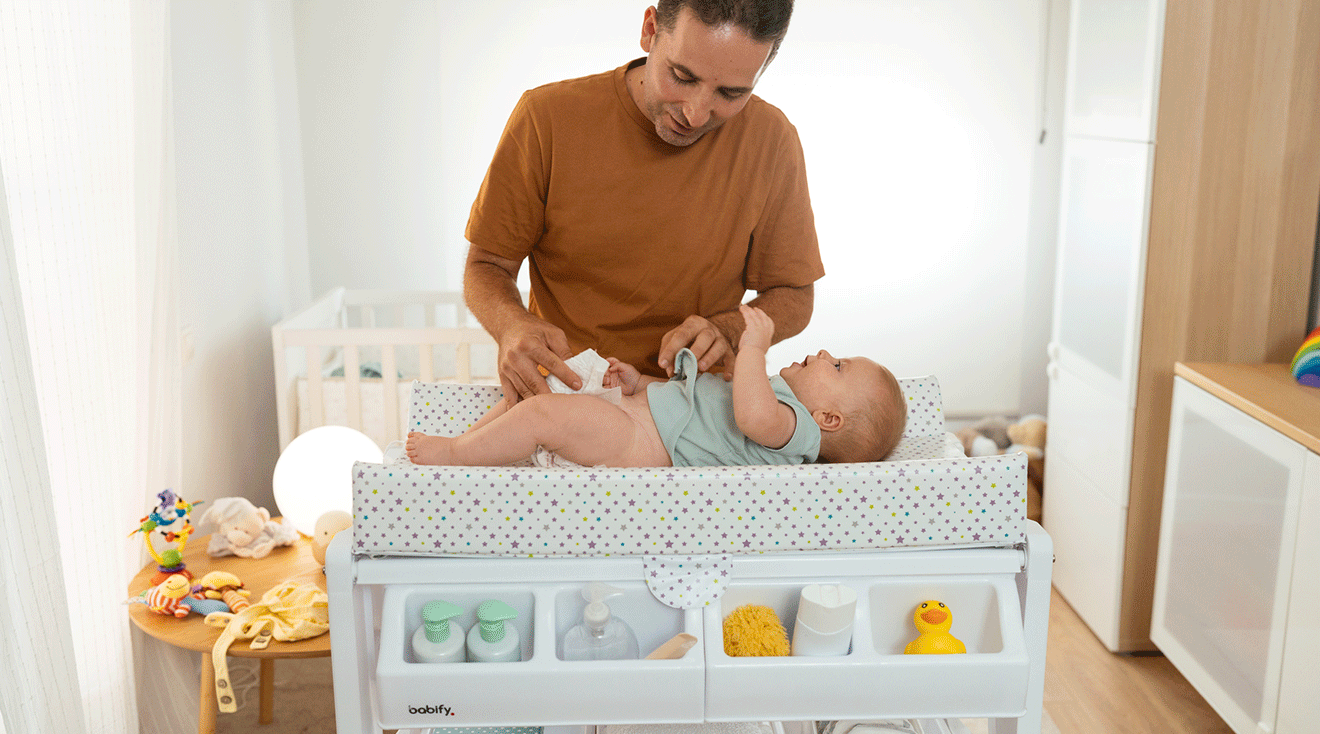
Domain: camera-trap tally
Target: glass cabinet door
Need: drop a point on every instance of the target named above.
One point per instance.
(1227, 535)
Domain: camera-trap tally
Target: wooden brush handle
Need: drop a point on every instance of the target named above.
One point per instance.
(673, 648)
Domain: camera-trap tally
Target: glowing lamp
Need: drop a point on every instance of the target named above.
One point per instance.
(314, 474)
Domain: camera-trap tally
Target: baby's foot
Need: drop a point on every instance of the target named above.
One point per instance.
(424, 449)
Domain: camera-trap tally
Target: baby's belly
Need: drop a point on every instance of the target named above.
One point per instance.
(649, 450)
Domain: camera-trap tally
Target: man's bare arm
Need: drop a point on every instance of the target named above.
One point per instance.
(490, 288)
(711, 339)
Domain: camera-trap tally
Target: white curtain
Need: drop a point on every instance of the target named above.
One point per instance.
(88, 358)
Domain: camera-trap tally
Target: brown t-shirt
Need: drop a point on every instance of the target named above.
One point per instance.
(626, 235)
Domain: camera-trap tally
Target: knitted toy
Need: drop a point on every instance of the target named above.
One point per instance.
(224, 586)
(752, 630)
(170, 597)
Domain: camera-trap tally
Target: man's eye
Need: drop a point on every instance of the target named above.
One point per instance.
(731, 95)
(838, 365)
(679, 79)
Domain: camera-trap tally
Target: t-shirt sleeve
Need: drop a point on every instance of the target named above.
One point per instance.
(784, 250)
(508, 216)
(806, 434)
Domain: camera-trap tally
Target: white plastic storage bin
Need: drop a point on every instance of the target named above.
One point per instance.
(990, 680)
(542, 688)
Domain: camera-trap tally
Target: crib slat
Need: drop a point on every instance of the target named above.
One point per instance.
(353, 387)
(315, 396)
(426, 362)
(390, 386)
(463, 362)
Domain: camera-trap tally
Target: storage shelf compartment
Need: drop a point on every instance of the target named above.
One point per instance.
(542, 688)
(875, 679)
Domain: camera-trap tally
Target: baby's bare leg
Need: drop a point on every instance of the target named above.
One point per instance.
(581, 428)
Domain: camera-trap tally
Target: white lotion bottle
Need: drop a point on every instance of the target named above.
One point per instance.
(439, 639)
(824, 623)
(600, 636)
(491, 640)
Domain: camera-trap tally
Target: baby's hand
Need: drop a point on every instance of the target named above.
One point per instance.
(759, 331)
(621, 375)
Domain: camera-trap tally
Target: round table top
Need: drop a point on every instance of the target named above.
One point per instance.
(286, 563)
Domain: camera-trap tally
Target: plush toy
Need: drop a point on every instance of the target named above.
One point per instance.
(224, 587)
(245, 530)
(326, 527)
(986, 437)
(169, 597)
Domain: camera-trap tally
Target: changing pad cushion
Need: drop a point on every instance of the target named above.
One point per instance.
(926, 494)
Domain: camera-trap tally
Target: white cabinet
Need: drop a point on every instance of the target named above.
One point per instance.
(1113, 73)
(1239, 553)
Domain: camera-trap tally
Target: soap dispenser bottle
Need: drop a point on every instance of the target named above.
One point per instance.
(439, 639)
(600, 636)
(491, 640)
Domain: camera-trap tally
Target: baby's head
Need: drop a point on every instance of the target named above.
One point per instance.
(857, 404)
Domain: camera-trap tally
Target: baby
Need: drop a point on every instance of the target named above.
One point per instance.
(821, 409)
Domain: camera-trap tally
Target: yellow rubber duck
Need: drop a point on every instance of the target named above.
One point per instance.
(933, 621)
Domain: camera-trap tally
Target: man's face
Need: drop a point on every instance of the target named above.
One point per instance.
(696, 76)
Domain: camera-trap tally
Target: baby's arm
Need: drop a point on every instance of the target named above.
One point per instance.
(626, 377)
(756, 409)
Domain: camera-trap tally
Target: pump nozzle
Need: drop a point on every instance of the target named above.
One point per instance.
(597, 613)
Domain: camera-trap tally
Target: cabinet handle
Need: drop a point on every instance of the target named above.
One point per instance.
(1052, 371)
(1052, 351)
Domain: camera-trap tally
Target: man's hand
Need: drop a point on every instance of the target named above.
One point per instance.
(706, 341)
(623, 376)
(529, 343)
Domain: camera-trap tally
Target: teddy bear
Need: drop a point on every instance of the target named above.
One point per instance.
(245, 530)
(986, 437)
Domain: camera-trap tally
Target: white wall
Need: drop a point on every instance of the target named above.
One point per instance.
(241, 236)
(920, 123)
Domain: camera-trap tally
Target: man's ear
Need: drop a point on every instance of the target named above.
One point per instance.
(828, 420)
(649, 28)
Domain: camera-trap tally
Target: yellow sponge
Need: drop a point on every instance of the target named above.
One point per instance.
(752, 630)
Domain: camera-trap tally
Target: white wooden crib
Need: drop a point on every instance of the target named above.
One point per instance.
(929, 524)
(320, 353)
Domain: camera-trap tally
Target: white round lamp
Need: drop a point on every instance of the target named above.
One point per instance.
(314, 474)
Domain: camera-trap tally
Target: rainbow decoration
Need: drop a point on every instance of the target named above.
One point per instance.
(1306, 364)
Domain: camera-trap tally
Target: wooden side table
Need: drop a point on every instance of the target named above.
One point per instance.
(287, 563)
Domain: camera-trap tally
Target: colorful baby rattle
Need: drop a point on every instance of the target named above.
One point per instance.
(171, 518)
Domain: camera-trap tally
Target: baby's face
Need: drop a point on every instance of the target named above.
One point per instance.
(822, 380)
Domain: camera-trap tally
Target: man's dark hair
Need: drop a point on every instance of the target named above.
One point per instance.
(763, 20)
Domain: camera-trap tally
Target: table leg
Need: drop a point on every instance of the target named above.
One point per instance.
(206, 705)
(267, 690)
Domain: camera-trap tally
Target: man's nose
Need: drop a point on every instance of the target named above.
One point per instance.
(697, 110)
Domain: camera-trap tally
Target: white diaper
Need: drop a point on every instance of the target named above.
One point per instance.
(591, 367)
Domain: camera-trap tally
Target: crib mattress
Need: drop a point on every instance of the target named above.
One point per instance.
(927, 494)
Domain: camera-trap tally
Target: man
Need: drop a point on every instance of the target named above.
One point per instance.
(647, 201)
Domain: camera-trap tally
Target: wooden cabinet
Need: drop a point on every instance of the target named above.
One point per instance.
(1239, 545)
(1187, 232)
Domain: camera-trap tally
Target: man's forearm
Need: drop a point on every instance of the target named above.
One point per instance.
(789, 307)
(490, 289)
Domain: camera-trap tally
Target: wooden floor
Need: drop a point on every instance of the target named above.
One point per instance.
(1089, 690)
